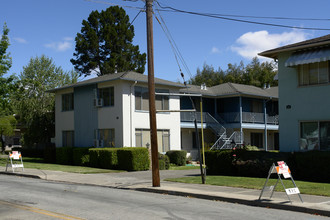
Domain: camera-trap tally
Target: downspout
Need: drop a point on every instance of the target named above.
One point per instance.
(241, 119)
(131, 114)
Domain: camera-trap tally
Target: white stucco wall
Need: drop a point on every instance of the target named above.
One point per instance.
(64, 121)
(165, 121)
(111, 117)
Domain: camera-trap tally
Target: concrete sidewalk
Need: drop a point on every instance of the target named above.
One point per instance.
(141, 181)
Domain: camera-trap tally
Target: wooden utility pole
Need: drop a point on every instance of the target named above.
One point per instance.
(151, 86)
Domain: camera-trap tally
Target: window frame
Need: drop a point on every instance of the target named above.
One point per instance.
(109, 99)
(65, 138)
(67, 102)
(305, 73)
(141, 95)
(318, 145)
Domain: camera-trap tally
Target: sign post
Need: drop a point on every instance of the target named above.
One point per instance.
(283, 169)
(16, 161)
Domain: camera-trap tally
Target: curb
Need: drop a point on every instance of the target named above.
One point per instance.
(20, 174)
(255, 203)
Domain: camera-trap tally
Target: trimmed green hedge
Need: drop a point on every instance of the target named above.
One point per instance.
(219, 162)
(94, 157)
(164, 162)
(108, 158)
(81, 156)
(64, 155)
(311, 166)
(308, 166)
(133, 159)
(177, 157)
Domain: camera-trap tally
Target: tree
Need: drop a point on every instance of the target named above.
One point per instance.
(7, 126)
(208, 76)
(5, 59)
(256, 74)
(34, 105)
(105, 44)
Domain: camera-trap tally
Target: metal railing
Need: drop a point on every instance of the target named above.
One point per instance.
(249, 117)
(209, 121)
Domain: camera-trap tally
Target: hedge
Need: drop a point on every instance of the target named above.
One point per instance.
(94, 157)
(133, 158)
(308, 166)
(64, 155)
(177, 157)
(108, 158)
(164, 162)
(219, 162)
(81, 156)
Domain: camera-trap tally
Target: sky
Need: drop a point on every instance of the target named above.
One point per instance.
(49, 27)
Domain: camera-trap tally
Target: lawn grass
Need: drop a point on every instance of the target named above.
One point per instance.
(37, 163)
(174, 167)
(311, 188)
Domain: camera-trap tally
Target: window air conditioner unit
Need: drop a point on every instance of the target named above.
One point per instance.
(98, 102)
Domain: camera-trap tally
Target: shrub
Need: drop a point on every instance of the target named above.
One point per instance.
(50, 154)
(219, 162)
(164, 162)
(133, 159)
(177, 157)
(81, 156)
(108, 158)
(311, 166)
(64, 155)
(94, 157)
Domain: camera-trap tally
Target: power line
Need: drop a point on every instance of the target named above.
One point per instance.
(108, 3)
(218, 16)
(174, 46)
(260, 17)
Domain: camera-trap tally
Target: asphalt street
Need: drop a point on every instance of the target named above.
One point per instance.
(27, 198)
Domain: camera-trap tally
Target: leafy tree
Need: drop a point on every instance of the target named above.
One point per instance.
(255, 73)
(209, 76)
(7, 126)
(33, 103)
(105, 44)
(5, 59)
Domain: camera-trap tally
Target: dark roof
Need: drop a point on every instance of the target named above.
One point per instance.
(232, 89)
(128, 76)
(315, 42)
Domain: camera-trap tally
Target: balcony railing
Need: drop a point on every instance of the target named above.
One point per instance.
(249, 117)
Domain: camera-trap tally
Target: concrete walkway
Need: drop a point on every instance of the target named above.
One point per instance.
(142, 181)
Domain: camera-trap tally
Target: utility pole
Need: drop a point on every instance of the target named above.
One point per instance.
(151, 86)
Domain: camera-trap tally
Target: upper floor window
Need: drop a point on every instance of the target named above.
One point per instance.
(108, 96)
(67, 102)
(142, 99)
(313, 73)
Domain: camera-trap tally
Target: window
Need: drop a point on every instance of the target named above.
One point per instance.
(142, 139)
(315, 135)
(256, 140)
(313, 73)
(108, 96)
(68, 138)
(106, 137)
(142, 99)
(67, 102)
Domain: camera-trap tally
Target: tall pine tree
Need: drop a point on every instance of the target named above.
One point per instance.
(105, 44)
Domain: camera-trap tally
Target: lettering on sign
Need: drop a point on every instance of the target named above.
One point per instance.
(283, 169)
(292, 191)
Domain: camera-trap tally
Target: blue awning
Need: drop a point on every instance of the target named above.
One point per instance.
(305, 57)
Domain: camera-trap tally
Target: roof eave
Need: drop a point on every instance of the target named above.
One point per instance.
(274, 52)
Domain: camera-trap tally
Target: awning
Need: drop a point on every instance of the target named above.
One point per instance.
(305, 57)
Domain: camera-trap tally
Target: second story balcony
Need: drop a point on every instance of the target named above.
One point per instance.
(249, 117)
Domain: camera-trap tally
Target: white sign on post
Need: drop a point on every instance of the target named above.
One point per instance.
(292, 191)
(283, 169)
